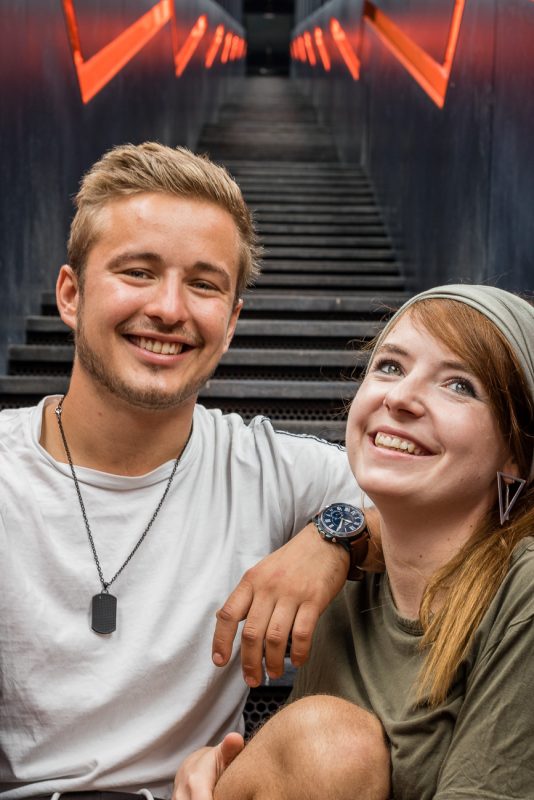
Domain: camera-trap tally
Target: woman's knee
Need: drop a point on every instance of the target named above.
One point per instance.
(336, 745)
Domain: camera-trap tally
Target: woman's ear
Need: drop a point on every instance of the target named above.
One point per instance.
(510, 468)
(67, 295)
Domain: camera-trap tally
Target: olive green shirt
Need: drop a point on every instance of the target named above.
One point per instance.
(480, 743)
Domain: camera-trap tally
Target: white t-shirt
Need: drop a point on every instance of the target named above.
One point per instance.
(81, 711)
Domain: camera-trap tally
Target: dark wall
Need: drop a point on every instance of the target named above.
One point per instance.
(268, 36)
(48, 136)
(456, 182)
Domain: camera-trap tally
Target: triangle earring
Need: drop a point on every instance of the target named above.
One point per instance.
(504, 483)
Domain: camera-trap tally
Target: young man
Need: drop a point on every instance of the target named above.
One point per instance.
(128, 512)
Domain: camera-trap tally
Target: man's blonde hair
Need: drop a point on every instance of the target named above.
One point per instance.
(152, 167)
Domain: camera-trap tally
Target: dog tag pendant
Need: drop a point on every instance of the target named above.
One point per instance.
(104, 613)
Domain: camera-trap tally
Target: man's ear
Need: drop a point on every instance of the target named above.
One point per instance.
(67, 295)
(236, 311)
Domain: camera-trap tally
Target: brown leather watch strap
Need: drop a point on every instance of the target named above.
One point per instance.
(358, 552)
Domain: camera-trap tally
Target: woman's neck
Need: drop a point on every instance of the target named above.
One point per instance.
(416, 543)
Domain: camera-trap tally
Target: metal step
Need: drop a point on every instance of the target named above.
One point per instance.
(335, 282)
(23, 356)
(249, 327)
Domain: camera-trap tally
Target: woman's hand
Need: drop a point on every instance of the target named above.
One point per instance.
(196, 778)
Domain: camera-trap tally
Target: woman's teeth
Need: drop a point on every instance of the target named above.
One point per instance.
(155, 346)
(395, 443)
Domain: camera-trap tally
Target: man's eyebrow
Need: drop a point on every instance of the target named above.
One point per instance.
(126, 258)
(205, 266)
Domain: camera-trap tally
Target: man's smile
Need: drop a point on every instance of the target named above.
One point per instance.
(161, 347)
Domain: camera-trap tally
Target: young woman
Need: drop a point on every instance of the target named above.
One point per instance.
(437, 648)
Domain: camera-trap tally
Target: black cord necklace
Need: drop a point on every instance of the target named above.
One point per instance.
(104, 604)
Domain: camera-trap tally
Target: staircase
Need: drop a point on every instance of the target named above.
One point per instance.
(329, 274)
(329, 278)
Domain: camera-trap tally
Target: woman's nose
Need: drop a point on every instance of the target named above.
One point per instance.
(405, 396)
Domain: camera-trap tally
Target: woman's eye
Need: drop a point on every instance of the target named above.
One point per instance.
(388, 367)
(462, 386)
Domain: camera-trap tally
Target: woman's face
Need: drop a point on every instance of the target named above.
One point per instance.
(421, 428)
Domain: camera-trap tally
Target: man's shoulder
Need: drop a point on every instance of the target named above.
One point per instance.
(12, 420)
(260, 431)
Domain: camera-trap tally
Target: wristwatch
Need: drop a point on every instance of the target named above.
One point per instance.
(341, 523)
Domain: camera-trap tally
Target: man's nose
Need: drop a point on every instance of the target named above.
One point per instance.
(168, 302)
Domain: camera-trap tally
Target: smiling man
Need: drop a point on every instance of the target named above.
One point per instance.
(129, 512)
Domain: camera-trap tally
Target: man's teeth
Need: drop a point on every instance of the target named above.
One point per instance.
(155, 346)
(395, 443)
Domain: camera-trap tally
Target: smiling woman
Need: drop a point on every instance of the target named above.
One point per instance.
(437, 647)
(437, 641)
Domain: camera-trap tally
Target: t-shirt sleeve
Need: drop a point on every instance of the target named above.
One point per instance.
(491, 755)
(312, 474)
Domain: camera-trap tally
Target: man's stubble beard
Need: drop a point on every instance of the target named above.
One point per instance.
(151, 399)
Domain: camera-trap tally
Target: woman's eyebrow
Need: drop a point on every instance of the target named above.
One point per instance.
(460, 366)
(389, 347)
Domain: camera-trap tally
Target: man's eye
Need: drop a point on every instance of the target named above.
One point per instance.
(462, 386)
(137, 273)
(205, 286)
(387, 367)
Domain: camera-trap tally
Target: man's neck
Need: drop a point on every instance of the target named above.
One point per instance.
(108, 435)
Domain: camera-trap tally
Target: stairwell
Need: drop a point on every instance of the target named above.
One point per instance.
(329, 279)
(329, 274)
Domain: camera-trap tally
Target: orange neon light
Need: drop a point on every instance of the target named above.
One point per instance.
(211, 55)
(321, 49)
(186, 52)
(234, 48)
(309, 49)
(95, 72)
(227, 46)
(432, 76)
(345, 48)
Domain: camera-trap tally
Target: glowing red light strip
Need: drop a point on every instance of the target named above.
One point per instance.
(185, 54)
(309, 49)
(234, 48)
(211, 55)
(343, 45)
(321, 49)
(432, 76)
(301, 49)
(227, 46)
(95, 72)
(98, 70)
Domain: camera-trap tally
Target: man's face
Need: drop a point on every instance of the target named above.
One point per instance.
(158, 306)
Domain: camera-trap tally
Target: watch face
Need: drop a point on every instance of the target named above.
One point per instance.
(343, 520)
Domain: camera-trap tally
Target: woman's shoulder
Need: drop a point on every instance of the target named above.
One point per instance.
(513, 604)
(521, 571)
